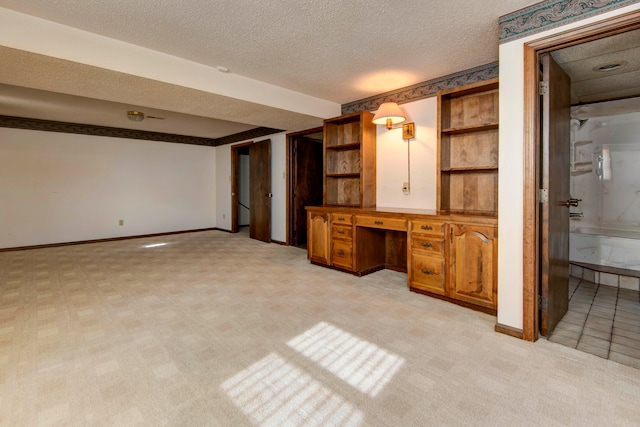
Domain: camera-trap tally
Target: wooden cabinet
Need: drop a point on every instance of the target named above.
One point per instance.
(342, 240)
(452, 257)
(468, 149)
(427, 260)
(350, 160)
(318, 242)
(473, 264)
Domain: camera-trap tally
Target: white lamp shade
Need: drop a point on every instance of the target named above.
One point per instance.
(390, 114)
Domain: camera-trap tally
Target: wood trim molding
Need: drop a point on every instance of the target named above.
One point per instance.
(552, 14)
(425, 89)
(531, 146)
(508, 330)
(109, 239)
(93, 130)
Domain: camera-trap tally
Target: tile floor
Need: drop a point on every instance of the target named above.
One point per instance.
(602, 320)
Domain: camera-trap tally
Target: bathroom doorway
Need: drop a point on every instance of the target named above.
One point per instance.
(603, 290)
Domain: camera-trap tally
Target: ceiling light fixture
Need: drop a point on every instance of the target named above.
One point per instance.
(222, 69)
(135, 116)
(610, 66)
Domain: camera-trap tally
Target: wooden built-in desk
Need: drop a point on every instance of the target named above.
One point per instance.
(452, 257)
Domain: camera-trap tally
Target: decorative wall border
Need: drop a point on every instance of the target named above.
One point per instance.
(93, 130)
(551, 14)
(425, 89)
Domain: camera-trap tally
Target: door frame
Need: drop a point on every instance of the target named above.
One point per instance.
(531, 144)
(235, 170)
(290, 181)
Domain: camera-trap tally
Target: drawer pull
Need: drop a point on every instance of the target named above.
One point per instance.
(378, 222)
(427, 272)
(427, 245)
(340, 231)
(340, 218)
(426, 227)
(340, 252)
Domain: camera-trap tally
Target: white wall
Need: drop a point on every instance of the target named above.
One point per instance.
(278, 185)
(57, 187)
(392, 159)
(612, 203)
(511, 166)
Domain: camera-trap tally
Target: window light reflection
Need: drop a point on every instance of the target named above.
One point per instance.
(155, 245)
(359, 363)
(273, 392)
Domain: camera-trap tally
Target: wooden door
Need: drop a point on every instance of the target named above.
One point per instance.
(260, 198)
(473, 258)
(554, 220)
(307, 184)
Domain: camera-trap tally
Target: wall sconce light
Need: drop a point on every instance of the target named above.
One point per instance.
(135, 116)
(389, 114)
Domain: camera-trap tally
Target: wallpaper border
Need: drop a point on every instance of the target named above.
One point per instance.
(93, 130)
(551, 14)
(425, 89)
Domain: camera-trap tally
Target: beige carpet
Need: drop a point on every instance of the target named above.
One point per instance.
(217, 329)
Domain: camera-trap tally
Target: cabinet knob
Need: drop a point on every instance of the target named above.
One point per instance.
(426, 244)
(340, 218)
(340, 252)
(378, 222)
(340, 231)
(427, 272)
(426, 227)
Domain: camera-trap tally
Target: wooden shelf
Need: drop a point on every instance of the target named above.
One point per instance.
(470, 168)
(344, 147)
(468, 149)
(350, 160)
(343, 175)
(470, 128)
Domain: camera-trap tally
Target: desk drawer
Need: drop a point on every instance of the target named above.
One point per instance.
(427, 243)
(386, 223)
(341, 218)
(341, 254)
(344, 232)
(428, 227)
(427, 273)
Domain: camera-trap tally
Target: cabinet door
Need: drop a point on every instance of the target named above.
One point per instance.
(427, 273)
(318, 237)
(473, 264)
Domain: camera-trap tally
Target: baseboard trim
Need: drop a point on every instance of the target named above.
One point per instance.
(110, 239)
(509, 330)
(278, 242)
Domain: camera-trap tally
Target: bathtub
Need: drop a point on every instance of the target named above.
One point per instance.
(614, 248)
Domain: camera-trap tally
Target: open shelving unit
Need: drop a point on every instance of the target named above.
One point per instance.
(468, 149)
(350, 161)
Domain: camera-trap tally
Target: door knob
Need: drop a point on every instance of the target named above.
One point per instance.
(271, 195)
(571, 202)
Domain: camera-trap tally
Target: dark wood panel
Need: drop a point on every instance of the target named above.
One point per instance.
(260, 191)
(554, 255)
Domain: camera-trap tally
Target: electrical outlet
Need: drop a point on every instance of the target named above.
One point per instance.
(121, 222)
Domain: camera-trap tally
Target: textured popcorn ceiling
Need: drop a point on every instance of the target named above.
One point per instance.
(336, 50)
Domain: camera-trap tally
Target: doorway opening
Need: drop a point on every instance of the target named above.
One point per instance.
(304, 181)
(251, 189)
(602, 301)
